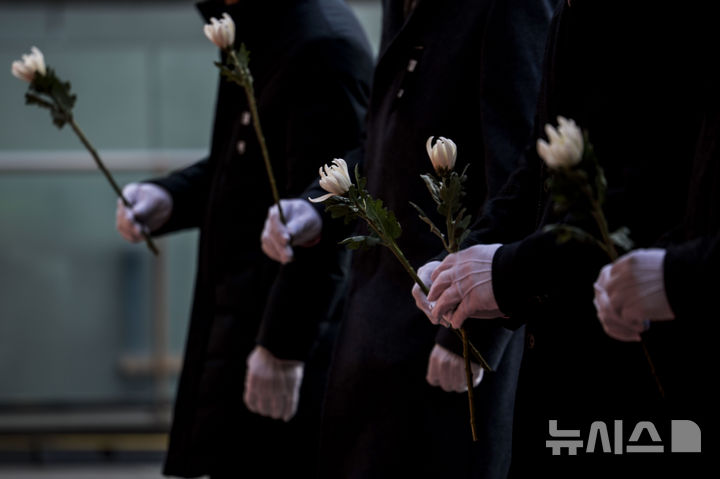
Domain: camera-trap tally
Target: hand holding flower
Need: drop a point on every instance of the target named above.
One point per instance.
(462, 286)
(577, 184)
(222, 34)
(46, 90)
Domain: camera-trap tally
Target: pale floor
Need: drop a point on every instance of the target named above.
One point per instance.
(111, 471)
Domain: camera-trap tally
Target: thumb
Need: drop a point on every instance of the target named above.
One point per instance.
(130, 193)
(143, 207)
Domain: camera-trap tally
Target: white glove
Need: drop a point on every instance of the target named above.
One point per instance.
(447, 370)
(303, 228)
(272, 385)
(425, 274)
(151, 206)
(462, 286)
(631, 292)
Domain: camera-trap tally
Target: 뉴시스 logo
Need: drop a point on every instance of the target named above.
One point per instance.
(685, 436)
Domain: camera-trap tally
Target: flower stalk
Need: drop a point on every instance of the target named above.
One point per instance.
(571, 158)
(46, 90)
(447, 192)
(222, 34)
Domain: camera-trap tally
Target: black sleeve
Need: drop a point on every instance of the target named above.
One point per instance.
(327, 115)
(512, 61)
(189, 189)
(691, 276)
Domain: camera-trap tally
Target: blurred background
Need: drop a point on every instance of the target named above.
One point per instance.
(91, 327)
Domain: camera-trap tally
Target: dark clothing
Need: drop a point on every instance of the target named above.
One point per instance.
(684, 348)
(634, 90)
(469, 71)
(312, 67)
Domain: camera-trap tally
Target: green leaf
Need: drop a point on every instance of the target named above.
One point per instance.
(360, 242)
(232, 75)
(433, 187)
(433, 229)
(243, 55)
(359, 180)
(621, 238)
(382, 218)
(33, 99)
(48, 91)
(341, 207)
(451, 193)
(565, 233)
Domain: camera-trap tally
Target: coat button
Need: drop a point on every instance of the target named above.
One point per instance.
(530, 341)
(245, 118)
(241, 147)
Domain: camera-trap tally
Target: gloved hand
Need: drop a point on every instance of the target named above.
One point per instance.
(272, 385)
(151, 206)
(447, 370)
(424, 273)
(303, 228)
(631, 292)
(462, 286)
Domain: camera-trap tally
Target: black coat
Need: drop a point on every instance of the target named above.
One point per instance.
(684, 348)
(312, 66)
(469, 71)
(635, 89)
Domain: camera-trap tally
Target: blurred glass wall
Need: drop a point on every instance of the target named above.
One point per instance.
(88, 322)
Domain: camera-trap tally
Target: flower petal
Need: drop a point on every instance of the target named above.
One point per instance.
(321, 198)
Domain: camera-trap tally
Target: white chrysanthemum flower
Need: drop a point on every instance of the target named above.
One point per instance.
(335, 179)
(442, 154)
(25, 69)
(221, 32)
(565, 148)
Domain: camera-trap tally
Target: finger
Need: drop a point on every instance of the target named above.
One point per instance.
(285, 398)
(278, 241)
(294, 226)
(619, 280)
(425, 272)
(291, 409)
(127, 227)
(478, 374)
(458, 317)
(251, 400)
(457, 381)
(432, 372)
(612, 324)
(439, 284)
(621, 332)
(272, 250)
(442, 372)
(130, 192)
(446, 303)
(277, 406)
(422, 303)
(277, 232)
(605, 309)
(143, 208)
(446, 264)
(265, 404)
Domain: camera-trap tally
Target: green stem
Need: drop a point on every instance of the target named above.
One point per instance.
(148, 240)
(454, 248)
(247, 82)
(604, 232)
(469, 378)
(393, 247)
(612, 252)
